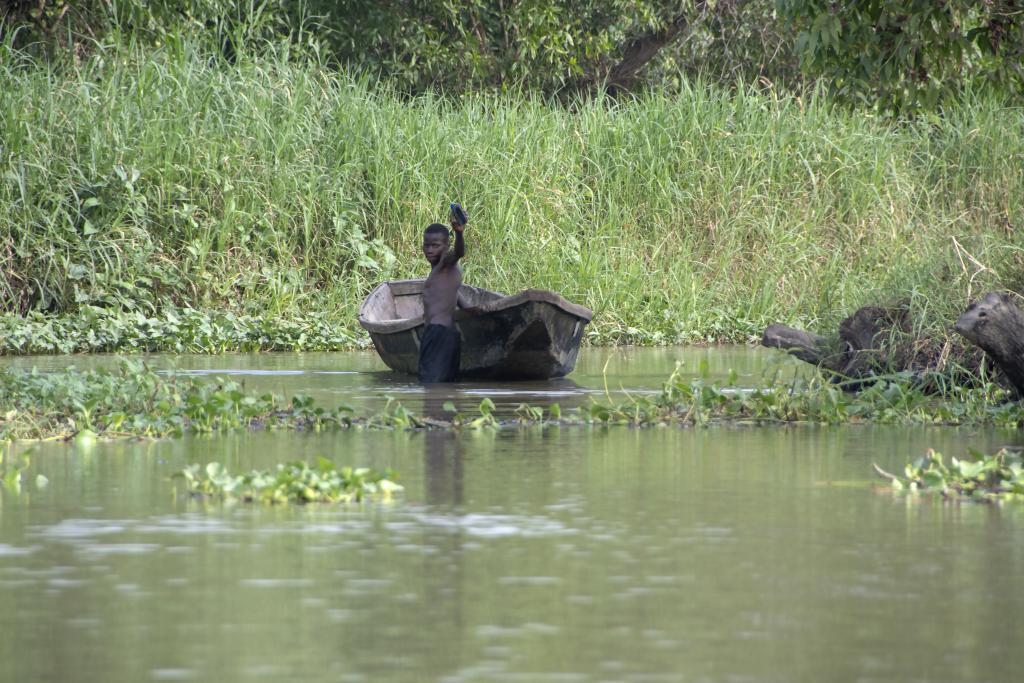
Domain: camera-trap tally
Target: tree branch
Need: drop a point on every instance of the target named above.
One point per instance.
(642, 49)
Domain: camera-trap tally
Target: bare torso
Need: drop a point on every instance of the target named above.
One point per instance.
(441, 290)
(440, 294)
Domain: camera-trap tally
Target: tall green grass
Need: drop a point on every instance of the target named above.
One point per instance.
(273, 185)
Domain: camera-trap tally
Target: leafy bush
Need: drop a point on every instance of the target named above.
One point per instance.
(909, 56)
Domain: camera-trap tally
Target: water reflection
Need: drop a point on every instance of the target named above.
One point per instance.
(442, 451)
(442, 468)
(443, 568)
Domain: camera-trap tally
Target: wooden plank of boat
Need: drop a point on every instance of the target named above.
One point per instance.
(534, 334)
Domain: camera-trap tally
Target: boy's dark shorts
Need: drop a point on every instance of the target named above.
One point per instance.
(439, 354)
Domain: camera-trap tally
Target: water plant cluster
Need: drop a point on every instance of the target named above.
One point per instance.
(894, 399)
(167, 180)
(92, 329)
(987, 478)
(135, 400)
(295, 482)
(12, 468)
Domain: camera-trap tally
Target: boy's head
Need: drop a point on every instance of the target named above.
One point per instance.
(435, 242)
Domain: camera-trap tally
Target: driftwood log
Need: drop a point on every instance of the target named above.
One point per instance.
(996, 325)
(876, 341)
(863, 348)
(807, 346)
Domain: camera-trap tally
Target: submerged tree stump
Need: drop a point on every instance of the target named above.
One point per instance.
(807, 346)
(862, 350)
(996, 325)
(874, 338)
(877, 341)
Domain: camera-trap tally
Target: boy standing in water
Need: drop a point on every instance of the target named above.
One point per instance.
(440, 342)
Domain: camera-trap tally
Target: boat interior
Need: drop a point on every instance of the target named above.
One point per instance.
(400, 300)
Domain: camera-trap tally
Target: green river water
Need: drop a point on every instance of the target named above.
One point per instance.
(561, 555)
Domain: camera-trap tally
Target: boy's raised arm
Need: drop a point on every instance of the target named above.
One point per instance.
(459, 250)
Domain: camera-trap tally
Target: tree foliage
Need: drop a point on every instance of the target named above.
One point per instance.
(896, 55)
(556, 45)
(452, 46)
(905, 55)
(54, 27)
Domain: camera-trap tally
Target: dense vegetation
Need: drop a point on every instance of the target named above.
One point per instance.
(909, 55)
(93, 328)
(890, 54)
(163, 181)
(549, 46)
(136, 401)
(216, 174)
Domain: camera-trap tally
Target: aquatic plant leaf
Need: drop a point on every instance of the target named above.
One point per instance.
(970, 470)
(215, 470)
(12, 480)
(85, 437)
(976, 454)
(389, 486)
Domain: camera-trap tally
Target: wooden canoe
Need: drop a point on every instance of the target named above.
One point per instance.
(534, 334)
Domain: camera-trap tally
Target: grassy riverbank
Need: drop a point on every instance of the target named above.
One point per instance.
(272, 188)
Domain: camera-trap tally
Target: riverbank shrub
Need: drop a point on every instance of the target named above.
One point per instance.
(908, 56)
(890, 56)
(170, 181)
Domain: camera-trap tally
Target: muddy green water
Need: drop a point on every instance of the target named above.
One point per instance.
(575, 554)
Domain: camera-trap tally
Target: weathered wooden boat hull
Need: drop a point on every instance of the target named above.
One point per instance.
(531, 335)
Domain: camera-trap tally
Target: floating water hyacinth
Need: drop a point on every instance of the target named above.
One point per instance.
(134, 400)
(12, 469)
(986, 478)
(294, 482)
